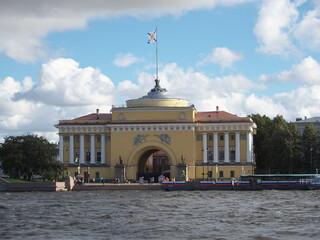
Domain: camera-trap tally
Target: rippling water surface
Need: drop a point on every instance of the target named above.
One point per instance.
(160, 215)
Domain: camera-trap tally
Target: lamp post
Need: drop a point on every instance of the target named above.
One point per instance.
(88, 170)
(311, 149)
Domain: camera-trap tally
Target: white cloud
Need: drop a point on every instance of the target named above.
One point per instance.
(281, 28)
(24, 24)
(31, 114)
(307, 31)
(300, 102)
(275, 19)
(222, 56)
(125, 60)
(63, 83)
(306, 72)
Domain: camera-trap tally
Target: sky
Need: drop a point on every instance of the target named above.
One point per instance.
(60, 60)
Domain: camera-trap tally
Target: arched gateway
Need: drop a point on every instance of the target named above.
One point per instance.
(157, 134)
(152, 159)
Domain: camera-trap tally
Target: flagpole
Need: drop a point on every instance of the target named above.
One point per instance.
(157, 77)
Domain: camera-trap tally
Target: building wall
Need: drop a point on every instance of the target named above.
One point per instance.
(132, 132)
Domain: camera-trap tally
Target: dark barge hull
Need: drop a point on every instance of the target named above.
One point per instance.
(195, 186)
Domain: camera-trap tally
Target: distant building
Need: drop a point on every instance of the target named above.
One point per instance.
(157, 135)
(302, 123)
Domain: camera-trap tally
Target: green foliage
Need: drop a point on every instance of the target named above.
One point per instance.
(310, 145)
(279, 147)
(29, 155)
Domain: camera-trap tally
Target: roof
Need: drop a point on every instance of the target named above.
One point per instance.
(95, 116)
(214, 115)
(309, 120)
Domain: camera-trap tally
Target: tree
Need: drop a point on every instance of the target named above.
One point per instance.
(260, 141)
(29, 155)
(276, 145)
(310, 146)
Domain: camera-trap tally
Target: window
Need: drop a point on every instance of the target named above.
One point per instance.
(210, 154)
(221, 137)
(210, 137)
(220, 174)
(98, 157)
(77, 138)
(221, 154)
(88, 139)
(99, 139)
(232, 155)
(232, 137)
(88, 154)
(97, 174)
(77, 156)
(66, 139)
(232, 174)
(199, 137)
(243, 137)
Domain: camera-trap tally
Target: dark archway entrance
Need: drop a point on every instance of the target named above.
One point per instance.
(153, 163)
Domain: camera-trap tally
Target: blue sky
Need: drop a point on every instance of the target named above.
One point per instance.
(63, 59)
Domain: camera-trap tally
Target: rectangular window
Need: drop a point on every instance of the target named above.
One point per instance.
(97, 174)
(77, 138)
(77, 159)
(89, 139)
(232, 137)
(66, 139)
(221, 137)
(232, 174)
(98, 157)
(210, 137)
(220, 174)
(88, 154)
(210, 154)
(98, 139)
(232, 155)
(199, 137)
(243, 137)
(221, 155)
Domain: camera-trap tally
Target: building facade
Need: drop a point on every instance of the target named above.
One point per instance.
(302, 123)
(157, 135)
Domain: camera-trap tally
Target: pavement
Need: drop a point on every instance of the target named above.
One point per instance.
(116, 186)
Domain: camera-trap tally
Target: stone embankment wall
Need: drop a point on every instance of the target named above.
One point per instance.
(31, 186)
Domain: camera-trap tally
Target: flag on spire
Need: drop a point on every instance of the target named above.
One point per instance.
(152, 36)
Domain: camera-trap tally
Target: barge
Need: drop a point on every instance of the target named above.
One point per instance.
(250, 183)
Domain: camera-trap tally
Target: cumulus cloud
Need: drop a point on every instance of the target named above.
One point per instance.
(307, 32)
(306, 72)
(63, 83)
(125, 60)
(222, 56)
(24, 24)
(275, 18)
(281, 29)
(25, 109)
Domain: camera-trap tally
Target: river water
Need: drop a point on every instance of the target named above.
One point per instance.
(160, 215)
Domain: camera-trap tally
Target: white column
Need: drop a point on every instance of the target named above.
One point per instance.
(92, 149)
(204, 146)
(237, 147)
(226, 147)
(71, 149)
(61, 147)
(81, 149)
(249, 147)
(215, 147)
(103, 149)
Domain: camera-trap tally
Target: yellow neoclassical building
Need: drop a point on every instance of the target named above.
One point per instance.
(157, 135)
